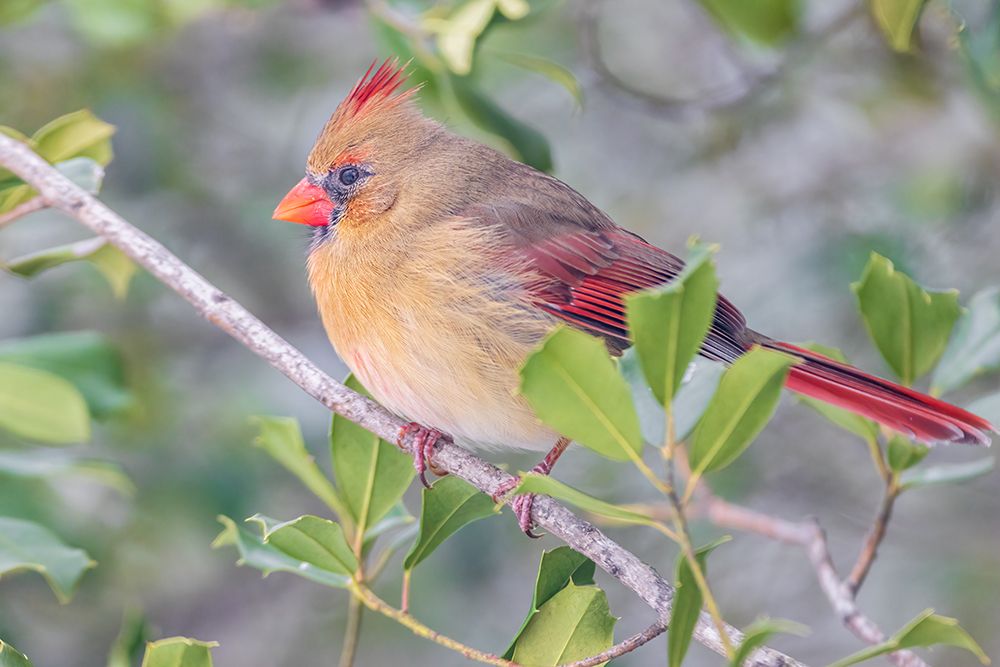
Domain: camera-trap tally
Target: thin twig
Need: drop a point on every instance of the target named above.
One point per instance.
(21, 210)
(622, 647)
(810, 536)
(230, 316)
(874, 538)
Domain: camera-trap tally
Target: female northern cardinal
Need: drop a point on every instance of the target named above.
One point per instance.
(438, 264)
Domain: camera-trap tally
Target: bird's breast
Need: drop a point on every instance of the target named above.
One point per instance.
(436, 328)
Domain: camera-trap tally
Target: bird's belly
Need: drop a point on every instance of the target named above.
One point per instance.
(478, 407)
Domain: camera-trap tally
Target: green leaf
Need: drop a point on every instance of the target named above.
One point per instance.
(457, 35)
(903, 453)
(449, 505)
(556, 570)
(909, 325)
(397, 517)
(11, 657)
(550, 70)
(372, 474)
(693, 397)
(757, 633)
(76, 134)
(927, 629)
(83, 171)
(310, 539)
(267, 558)
(897, 19)
(48, 464)
(687, 603)
(113, 265)
(669, 324)
(573, 386)
(39, 405)
(178, 652)
(87, 359)
(86, 172)
(25, 545)
(742, 406)
(527, 144)
(131, 640)
(768, 22)
(573, 624)
(975, 344)
(116, 268)
(549, 486)
(865, 429)
(281, 438)
(947, 473)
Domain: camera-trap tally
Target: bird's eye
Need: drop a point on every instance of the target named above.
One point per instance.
(349, 175)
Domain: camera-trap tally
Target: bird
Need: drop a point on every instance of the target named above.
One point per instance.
(438, 264)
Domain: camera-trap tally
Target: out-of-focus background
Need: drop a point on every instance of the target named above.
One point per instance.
(799, 159)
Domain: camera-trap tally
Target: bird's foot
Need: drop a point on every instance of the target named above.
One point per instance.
(425, 441)
(521, 505)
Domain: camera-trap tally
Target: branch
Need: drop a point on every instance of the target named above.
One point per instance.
(622, 647)
(228, 315)
(810, 536)
(874, 539)
(21, 210)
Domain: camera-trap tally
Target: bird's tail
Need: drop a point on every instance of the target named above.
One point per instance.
(915, 415)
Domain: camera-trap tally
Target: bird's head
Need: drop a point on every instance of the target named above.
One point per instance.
(359, 163)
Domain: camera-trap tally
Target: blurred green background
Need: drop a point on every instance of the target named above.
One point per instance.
(798, 155)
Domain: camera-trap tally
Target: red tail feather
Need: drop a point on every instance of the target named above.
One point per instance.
(913, 414)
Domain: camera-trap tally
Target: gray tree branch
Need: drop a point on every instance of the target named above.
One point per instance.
(227, 314)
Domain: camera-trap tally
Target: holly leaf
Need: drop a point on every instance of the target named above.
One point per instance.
(757, 633)
(11, 657)
(687, 603)
(447, 507)
(39, 405)
(573, 624)
(573, 386)
(282, 439)
(178, 652)
(372, 474)
(556, 570)
(312, 540)
(909, 325)
(897, 19)
(974, 347)
(267, 558)
(747, 396)
(87, 359)
(25, 545)
(669, 324)
(927, 629)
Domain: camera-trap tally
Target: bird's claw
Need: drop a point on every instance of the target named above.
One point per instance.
(425, 440)
(520, 505)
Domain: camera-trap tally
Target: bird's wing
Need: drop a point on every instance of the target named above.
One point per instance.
(585, 265)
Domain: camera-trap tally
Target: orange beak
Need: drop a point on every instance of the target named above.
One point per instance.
(306, 204)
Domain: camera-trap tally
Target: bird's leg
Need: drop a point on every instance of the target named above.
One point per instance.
(522, 504)
(425, 441)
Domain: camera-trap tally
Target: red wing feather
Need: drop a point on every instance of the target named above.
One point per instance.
(588, 273)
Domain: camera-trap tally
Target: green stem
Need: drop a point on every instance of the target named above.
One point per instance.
(351, 632)
(377, 604)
